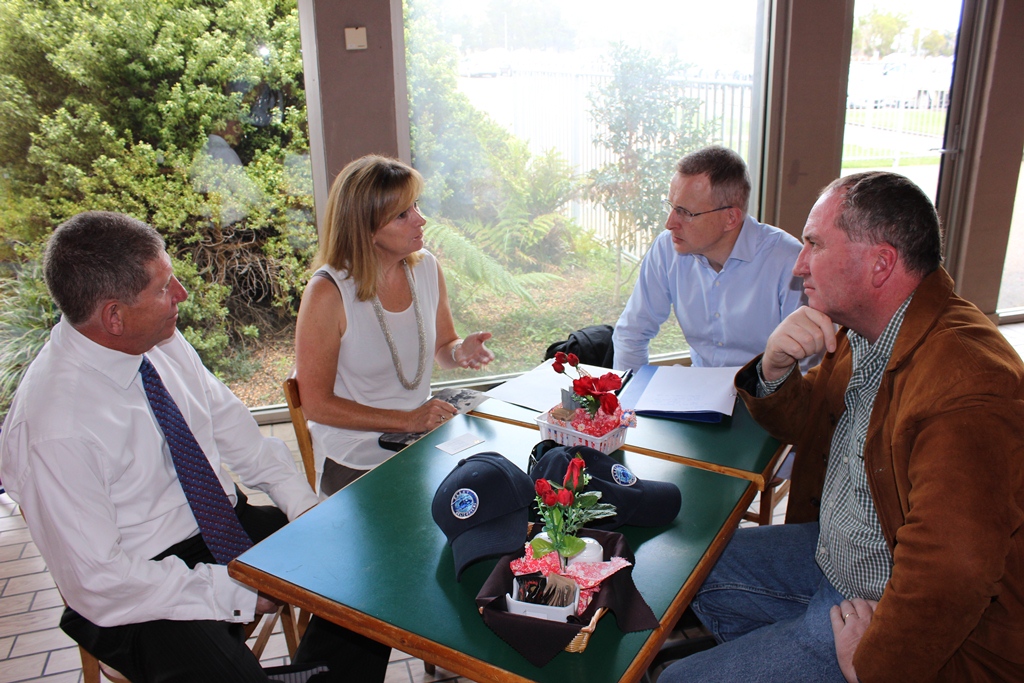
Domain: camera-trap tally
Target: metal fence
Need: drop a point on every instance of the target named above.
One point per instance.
(551, 110)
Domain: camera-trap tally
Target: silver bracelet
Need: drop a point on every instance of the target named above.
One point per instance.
(454, 349)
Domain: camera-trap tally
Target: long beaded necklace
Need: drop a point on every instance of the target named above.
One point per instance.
(421, 364)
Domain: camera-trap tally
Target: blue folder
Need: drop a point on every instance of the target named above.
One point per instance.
(632, 392)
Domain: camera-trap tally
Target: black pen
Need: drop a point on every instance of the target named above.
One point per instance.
(625, 379)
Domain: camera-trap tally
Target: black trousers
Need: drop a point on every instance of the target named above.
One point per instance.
(199, 651)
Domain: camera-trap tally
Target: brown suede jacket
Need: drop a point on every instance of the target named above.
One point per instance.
(945, 462)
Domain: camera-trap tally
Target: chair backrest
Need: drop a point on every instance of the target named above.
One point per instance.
(302, 437)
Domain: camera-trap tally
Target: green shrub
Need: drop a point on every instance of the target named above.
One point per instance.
(26, 315)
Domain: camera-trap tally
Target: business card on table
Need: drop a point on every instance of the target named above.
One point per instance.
(460, 443)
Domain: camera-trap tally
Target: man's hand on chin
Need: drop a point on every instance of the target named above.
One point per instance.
(804, 333)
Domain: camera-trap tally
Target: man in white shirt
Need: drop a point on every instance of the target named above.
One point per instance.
(84, 455)
(728, 277)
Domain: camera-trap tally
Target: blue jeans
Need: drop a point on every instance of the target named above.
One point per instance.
(767, 603)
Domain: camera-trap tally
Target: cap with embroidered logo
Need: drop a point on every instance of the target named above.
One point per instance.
(482, 507)
(637, 502)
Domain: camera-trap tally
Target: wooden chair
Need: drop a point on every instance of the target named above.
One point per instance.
(774, 492)
(294, 401)
(305, 442)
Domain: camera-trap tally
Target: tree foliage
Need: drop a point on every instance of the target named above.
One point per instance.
(187, 114)
(937, 43)
(495, 205)
(875, 33)
(648, 125)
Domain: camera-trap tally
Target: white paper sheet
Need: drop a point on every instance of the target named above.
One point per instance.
(677, 388)
(541, 388)
(459, 443)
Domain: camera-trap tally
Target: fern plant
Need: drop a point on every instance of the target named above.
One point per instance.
(470, 273)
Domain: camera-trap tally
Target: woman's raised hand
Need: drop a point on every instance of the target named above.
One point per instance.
(472, 352)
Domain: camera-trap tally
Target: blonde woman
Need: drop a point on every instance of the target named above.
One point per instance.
(373, 320)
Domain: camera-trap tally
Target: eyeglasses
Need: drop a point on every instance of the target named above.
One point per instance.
(685, 214)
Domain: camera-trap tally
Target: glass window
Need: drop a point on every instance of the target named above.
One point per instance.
(547, 131)
(188, 115)
(901, 67)
(1011, 291)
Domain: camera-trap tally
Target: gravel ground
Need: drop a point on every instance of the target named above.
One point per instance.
(273, 359)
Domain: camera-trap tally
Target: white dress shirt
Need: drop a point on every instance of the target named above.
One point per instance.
(82, 453)
(726, 316)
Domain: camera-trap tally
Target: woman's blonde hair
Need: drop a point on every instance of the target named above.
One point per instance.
(369, 193)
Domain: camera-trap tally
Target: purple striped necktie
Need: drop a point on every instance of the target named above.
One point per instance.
(218, 523)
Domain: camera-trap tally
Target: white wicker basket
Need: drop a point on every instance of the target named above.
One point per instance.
(567, 436)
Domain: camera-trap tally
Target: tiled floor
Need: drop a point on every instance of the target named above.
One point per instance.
(33, 648)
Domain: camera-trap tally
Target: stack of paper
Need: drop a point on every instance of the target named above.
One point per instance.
(681, 393)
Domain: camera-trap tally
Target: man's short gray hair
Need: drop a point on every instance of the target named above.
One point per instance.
(878, 206)
(730, 180)
(97, 256)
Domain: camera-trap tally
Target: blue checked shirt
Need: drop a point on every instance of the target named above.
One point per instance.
(852, 551)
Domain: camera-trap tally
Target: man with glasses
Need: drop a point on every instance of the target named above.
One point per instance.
(728, 277)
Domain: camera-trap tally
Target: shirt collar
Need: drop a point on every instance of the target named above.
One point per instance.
(881, 350)
(745, 248)
(120, 367)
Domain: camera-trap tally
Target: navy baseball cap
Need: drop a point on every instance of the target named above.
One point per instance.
(637, 502)
(483, 507)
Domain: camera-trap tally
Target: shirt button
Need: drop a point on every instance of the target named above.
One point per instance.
(845, 459)
(718, 315)
(719, 344)
(717, 283)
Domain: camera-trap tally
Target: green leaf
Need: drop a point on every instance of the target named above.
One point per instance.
(541, 547)
(572, 546)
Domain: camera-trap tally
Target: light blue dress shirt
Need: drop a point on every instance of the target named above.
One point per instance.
(725, 316)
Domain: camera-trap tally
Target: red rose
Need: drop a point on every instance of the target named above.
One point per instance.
(608, 382)
(572, 473)
(584, 386)
(549, 498)
(543, 486)
(559, 368)
(560, 357)
(609, 403)
(565, 497)
(574, 360)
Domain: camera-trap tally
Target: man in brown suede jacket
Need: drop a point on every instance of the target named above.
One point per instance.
(903, 554)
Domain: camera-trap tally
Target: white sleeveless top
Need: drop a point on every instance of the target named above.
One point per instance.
(366, 372)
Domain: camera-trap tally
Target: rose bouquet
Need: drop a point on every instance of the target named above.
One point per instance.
(598, 410)
(565, 508)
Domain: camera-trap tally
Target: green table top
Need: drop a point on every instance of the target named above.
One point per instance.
(374, 547)
(736, 446)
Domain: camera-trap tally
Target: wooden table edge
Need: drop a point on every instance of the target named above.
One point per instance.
(650, 649)
(371, 627)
